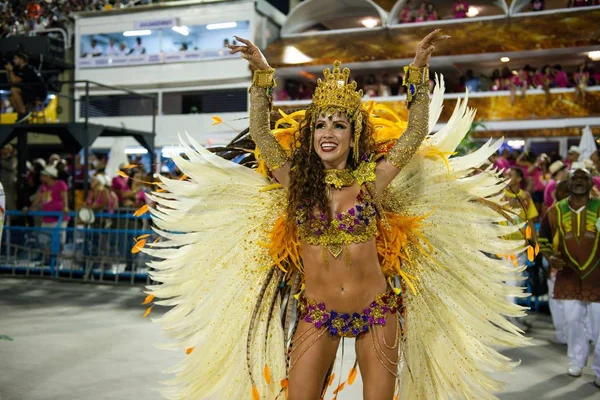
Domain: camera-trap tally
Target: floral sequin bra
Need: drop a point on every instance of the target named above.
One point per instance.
(357, 225)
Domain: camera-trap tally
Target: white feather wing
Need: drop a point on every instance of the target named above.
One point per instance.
(457, 315)
(210, 268)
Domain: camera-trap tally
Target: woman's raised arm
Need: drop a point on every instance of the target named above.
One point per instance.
(260, 108)
(417, 82)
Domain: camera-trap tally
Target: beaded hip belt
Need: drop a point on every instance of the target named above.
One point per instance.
(346, 324)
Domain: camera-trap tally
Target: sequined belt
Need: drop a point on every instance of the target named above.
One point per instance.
(345, 324)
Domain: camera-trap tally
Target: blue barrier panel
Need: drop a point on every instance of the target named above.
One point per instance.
(67, 248)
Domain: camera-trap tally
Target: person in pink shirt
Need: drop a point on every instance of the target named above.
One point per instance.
(421, 14)
(406, 14)
(559, 172)
(500, 162)
(52, 197)
(536, 176)
(561, 79)
(496, 80)
(120, 185)
(596, 160)
(431, 12)
(136, 197)
(460, 9)
(518, 81)
(99, 198)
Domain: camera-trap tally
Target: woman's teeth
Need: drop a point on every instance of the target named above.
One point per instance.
(328, 146)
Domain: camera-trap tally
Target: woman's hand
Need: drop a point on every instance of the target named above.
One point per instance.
(426, 47)
(251, 53)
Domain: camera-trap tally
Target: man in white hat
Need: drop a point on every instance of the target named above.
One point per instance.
(569, 239)
(558, 172)
(52, 197)
(572, 155)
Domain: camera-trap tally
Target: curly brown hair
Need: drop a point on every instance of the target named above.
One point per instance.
(307, 186)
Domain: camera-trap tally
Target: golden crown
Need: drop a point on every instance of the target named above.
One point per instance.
(335, 93)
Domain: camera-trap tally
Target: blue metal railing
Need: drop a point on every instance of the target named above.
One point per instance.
(73, 250)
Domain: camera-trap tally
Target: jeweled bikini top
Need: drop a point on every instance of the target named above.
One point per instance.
(357, 225)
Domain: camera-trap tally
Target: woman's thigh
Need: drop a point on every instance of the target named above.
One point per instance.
(377, 352)
(311, 355)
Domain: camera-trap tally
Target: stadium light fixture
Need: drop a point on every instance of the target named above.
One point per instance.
(141, 32)
(291, 55)
(221, 25)
(136, 150)
(516, 144)
(182, 30)
(370, 22)
(472, 12)
(505, 59)
(594, 55)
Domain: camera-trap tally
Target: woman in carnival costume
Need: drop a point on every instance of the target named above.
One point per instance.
(354, 224)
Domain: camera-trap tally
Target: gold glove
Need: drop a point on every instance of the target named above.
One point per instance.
(418, 127)
(260, 125)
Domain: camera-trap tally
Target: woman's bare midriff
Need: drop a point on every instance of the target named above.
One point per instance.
(342, 287)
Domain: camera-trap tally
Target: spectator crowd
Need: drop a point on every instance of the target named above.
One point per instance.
(515, 81)
(21, 17)
(426, 11)
(56, 185)
(539, 176)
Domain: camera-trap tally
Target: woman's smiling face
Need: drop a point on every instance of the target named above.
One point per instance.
(333, 139)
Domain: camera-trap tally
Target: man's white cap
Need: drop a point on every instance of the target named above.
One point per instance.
(575, 149)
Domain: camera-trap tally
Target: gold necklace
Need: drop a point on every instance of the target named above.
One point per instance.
(339, 178)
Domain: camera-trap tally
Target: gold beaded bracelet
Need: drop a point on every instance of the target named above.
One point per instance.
(264, 78)
(414, 77)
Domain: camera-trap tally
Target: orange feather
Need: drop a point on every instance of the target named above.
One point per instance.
(138, 246)
(141, 211)
(148, 299)
(255, 395)
(130, 166)
(148, 312)
(331, 378)
(339, 388)
(352, 376)
(530, 255)
(267, 374)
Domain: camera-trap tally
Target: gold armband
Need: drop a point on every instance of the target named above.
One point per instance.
(418, 127)
(414, 78)
(264, 78)
(416, 75)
